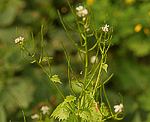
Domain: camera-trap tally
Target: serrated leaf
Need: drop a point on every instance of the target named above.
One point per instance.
(91, 111)
(105, 66)
(55, 79)
(70, 99)
(85, 115)
(61, 112)
(96, 115)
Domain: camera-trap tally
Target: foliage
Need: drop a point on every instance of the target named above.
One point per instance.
(128, 57)
(82, 106)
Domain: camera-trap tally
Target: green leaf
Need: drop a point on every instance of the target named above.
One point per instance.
(61, 112)
(70, 99)
(91, 111)
(85, 115)
(55, 79)
(96, 115)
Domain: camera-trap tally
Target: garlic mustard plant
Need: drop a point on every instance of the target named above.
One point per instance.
(90, 103)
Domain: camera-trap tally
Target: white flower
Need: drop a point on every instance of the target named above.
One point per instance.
(105, 28)
(118, 108)
(19, 40)
(79, 8)
(45, 109)
(35, 116)
(81, 72)
(81, 11)
(94, 59)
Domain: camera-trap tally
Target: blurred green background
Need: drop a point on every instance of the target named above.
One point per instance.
(23, 86)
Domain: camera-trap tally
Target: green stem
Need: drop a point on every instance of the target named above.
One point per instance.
(105, 95)
(99, 74)
(49, 76)
(86, 62)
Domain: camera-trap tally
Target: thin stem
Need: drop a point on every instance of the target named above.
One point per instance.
(86, 62)
(98, 77)
(107, 100)
(94, 73)
(49, 76)
(69, 68)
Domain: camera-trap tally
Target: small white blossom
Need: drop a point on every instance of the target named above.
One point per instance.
(81, 11)
(19, 40)
(94, 59)
(118, 108)
(79, 8)
(35, 116)
(105, 28)
(45, 109)
(81, 72)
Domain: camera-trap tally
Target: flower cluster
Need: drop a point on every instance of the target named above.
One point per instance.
(35, 116)
(44, 109)
(19, 40)
(118, 108)
(81, 11)
(105, 28)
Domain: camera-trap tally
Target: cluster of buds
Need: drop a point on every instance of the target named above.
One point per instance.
(105, 28)
(35, 116)
(44, 110)
(118, 108)
(81, 11)
(19, 40)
